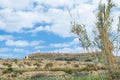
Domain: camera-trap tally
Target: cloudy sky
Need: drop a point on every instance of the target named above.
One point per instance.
(28, 26)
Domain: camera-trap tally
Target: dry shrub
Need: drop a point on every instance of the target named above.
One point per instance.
(48, 65)
(38, 75)
(76, 65)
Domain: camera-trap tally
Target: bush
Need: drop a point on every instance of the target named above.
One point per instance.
(88, 60)
(67, 59)
(48, 65)
(91, 67)
(76, 65)
(69, 71)
(28, 63)
(38, 75)
(115, 75)
(6, 64)
(68, 62)
(37, 64)
(8, 70)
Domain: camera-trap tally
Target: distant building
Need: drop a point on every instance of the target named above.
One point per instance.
(26, 57)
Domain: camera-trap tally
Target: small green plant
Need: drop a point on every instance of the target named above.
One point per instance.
(9, 69)
(69, 71)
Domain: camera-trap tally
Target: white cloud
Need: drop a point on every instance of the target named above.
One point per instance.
(116, 20)
(75, 41)
(21, 43)
(17, 20)
(40, 28)
(71, 47)
(20, 20)
(58, 45)
(61, 28)
(19, 4)
(116, 2)
(66, 45)
(61, 23)
(69, 50)
(76, 49)
(17, 43)
(11, 52)
(2, 55)
(2, 24)
(66, 50)
(18, 50)
(39, 47)
(4, 50)
(5, 37)
(68, 3)
(61, 19)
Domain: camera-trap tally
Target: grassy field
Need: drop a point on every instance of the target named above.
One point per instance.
(69, 77)
(62, 77)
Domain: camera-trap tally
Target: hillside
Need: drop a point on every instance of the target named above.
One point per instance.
(63, 56)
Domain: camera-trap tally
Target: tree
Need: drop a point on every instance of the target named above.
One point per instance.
(102, 39)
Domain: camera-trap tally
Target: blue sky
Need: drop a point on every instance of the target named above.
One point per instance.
(28, 26)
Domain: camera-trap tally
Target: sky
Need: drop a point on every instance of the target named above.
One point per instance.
(28, 26)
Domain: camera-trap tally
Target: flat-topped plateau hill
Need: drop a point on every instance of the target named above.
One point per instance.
(63, 56)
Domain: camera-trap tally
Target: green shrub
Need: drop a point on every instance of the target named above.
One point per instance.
(69, 71)
(8, 70)
(67, 77)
